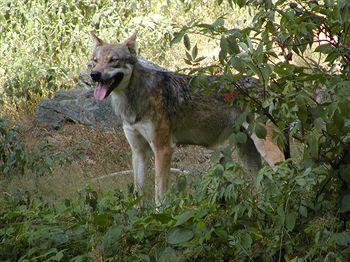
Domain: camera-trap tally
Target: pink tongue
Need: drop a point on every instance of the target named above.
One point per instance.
(100, 92)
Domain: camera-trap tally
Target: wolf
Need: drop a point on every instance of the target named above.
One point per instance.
(159, 109)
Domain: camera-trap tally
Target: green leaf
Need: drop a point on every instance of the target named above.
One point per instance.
(218, 22)
(312, 145)
(222, 57)
(345, 173)
(290, 220)
(215, 156)
(250, 45)
(169, 254)
(260, 131)
(111, 237)
(342, 239)
(178, 36)
(237, 64)
(187, 42)
(232, 46)
(319, 123)
(101, 220)
(194, 52)
(201, 213)
(332, 57)
(325, 48)
(67, 202)
(187, 61)
(199, 59)
(161, 217)
(303, 211)
(188, 56)
(240, 3)
(244, 46)
(184, 217)
(246, 241)
(345, 204)
(241, 138)
(179, 235)
(58, 256)
(144, 258)
(218, 170)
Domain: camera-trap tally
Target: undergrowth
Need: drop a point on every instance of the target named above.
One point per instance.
(225, 217)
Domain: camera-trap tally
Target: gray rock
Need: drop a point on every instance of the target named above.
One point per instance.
(77, 105)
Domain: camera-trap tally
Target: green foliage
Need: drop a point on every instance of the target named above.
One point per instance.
(299, 53)
(44, 44)
(277, 215)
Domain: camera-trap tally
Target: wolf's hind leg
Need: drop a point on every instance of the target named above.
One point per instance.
(267, 148)
(249, 157)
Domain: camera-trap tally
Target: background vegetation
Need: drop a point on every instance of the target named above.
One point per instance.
(44, 44)
(298, 211)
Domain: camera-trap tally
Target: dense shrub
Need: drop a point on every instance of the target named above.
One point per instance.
(278, 215)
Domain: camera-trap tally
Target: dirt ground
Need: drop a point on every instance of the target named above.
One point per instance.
(89, 157)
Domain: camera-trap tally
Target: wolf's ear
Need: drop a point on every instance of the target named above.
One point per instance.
(97, 41)
(130, 43)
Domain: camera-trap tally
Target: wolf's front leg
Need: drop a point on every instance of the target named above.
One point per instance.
(162, 169)
(140, 156)
(139, 164)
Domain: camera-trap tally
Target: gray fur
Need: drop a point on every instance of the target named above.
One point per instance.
(195, 117)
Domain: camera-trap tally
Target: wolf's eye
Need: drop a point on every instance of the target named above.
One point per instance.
(94, 59)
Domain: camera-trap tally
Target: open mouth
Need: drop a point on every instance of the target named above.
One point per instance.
(104, 88)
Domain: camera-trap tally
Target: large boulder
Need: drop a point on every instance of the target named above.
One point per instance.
(77, 105)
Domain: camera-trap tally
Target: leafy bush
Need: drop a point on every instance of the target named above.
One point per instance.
(299, 53)
(275, 216)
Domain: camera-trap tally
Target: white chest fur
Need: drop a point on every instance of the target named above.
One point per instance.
(146, 129)
(121, 107)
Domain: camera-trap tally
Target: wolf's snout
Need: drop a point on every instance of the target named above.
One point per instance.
(96, 76)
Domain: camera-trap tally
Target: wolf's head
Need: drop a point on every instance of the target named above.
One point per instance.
(113, 64)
